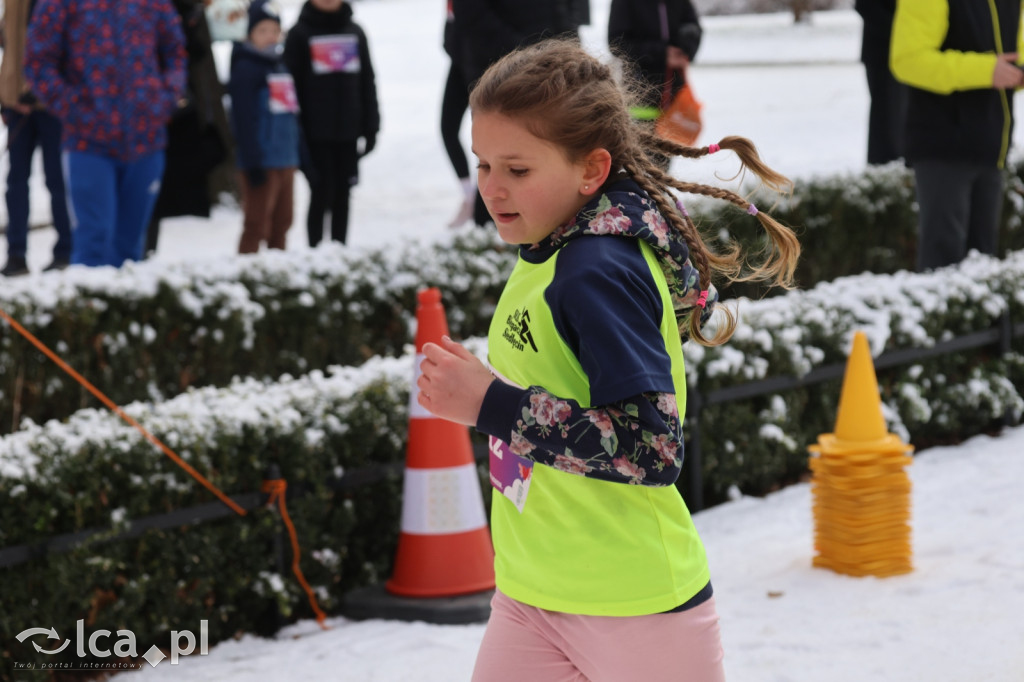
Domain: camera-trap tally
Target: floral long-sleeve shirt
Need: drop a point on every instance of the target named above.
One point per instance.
(638, 440)
(606, 308)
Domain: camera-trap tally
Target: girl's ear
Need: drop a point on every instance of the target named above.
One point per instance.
(596, 167)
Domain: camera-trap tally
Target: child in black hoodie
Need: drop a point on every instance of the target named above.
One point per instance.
(328, 55)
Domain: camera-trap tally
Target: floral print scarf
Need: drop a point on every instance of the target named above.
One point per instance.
(624, 209)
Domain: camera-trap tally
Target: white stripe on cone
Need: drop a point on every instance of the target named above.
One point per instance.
(442, 501)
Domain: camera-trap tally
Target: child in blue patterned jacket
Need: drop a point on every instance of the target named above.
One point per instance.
(264, 116)
(600, 573)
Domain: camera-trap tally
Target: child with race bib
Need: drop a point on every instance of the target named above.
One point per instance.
(600, 573)
(328, 54)
(264, 117)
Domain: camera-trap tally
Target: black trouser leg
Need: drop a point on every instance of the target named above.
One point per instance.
(959, 207)
(887, 111)
(453, 108)
(321, 192)
(346, 163)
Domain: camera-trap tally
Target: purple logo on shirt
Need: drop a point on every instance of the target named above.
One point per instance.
(510, 473)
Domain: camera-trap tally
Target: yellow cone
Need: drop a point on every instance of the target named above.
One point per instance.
(860, 408)
(860, 488)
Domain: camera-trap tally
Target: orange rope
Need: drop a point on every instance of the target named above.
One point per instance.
(275, 488)
(119, 412)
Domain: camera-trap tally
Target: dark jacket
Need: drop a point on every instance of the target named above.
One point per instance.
(266, 135)
(77, 60)
(198, 137)
(638, 33)
(450, 39)
(877, 16)
(490, 29)
(953, 113)
(338, 91)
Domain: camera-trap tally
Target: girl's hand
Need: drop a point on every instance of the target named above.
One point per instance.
(453, 382)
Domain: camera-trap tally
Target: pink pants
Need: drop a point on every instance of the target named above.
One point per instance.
(526, 643)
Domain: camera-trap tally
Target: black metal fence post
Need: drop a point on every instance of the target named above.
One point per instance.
(1005, 346)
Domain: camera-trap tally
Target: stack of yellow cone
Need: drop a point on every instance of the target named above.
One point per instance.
(860, 487)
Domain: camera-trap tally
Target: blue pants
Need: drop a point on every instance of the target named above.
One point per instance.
(111, 203)
(25, 132)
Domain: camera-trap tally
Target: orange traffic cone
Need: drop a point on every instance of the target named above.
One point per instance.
(860, 488)
(445, 547)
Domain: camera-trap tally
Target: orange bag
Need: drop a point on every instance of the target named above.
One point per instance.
(680, 119)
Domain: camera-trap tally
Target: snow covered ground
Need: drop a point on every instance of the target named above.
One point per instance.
(799, 93)
(956, 618)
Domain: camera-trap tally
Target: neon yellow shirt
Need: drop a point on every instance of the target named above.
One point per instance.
(578, 544)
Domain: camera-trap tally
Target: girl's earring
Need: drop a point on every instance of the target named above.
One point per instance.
(586, 188)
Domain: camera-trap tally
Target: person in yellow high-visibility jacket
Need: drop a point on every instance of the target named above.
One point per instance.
(959, 58)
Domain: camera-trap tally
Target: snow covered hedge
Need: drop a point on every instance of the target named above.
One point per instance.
(96, 472)
(760, 444)
(151, 330)
(92, 471)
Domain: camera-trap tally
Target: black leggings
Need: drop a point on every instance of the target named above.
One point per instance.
(335, 170)
(453, 107)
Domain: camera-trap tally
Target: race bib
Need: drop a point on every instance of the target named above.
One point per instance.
(282, 94)
(334, 54)
(510, 473)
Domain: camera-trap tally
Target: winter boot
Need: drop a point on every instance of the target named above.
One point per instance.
(16, 266)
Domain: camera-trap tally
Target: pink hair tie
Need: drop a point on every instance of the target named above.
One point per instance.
(752, 210)
(682, 209)
(702, 300)
(713, 147)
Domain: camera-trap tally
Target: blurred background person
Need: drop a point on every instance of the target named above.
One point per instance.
(29, 126)
(328, 55)
(198, 137)
(264, 115)
(888, 109)
(490, 29)
(959, 58)
(454, 103)
(510, 27)
(657, 39)
(487, 30)
(113, 73)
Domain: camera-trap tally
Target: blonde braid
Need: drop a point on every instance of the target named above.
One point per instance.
(741, 146)
(702, 258)
(667, 147)
(781, 252)
(783, 249)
